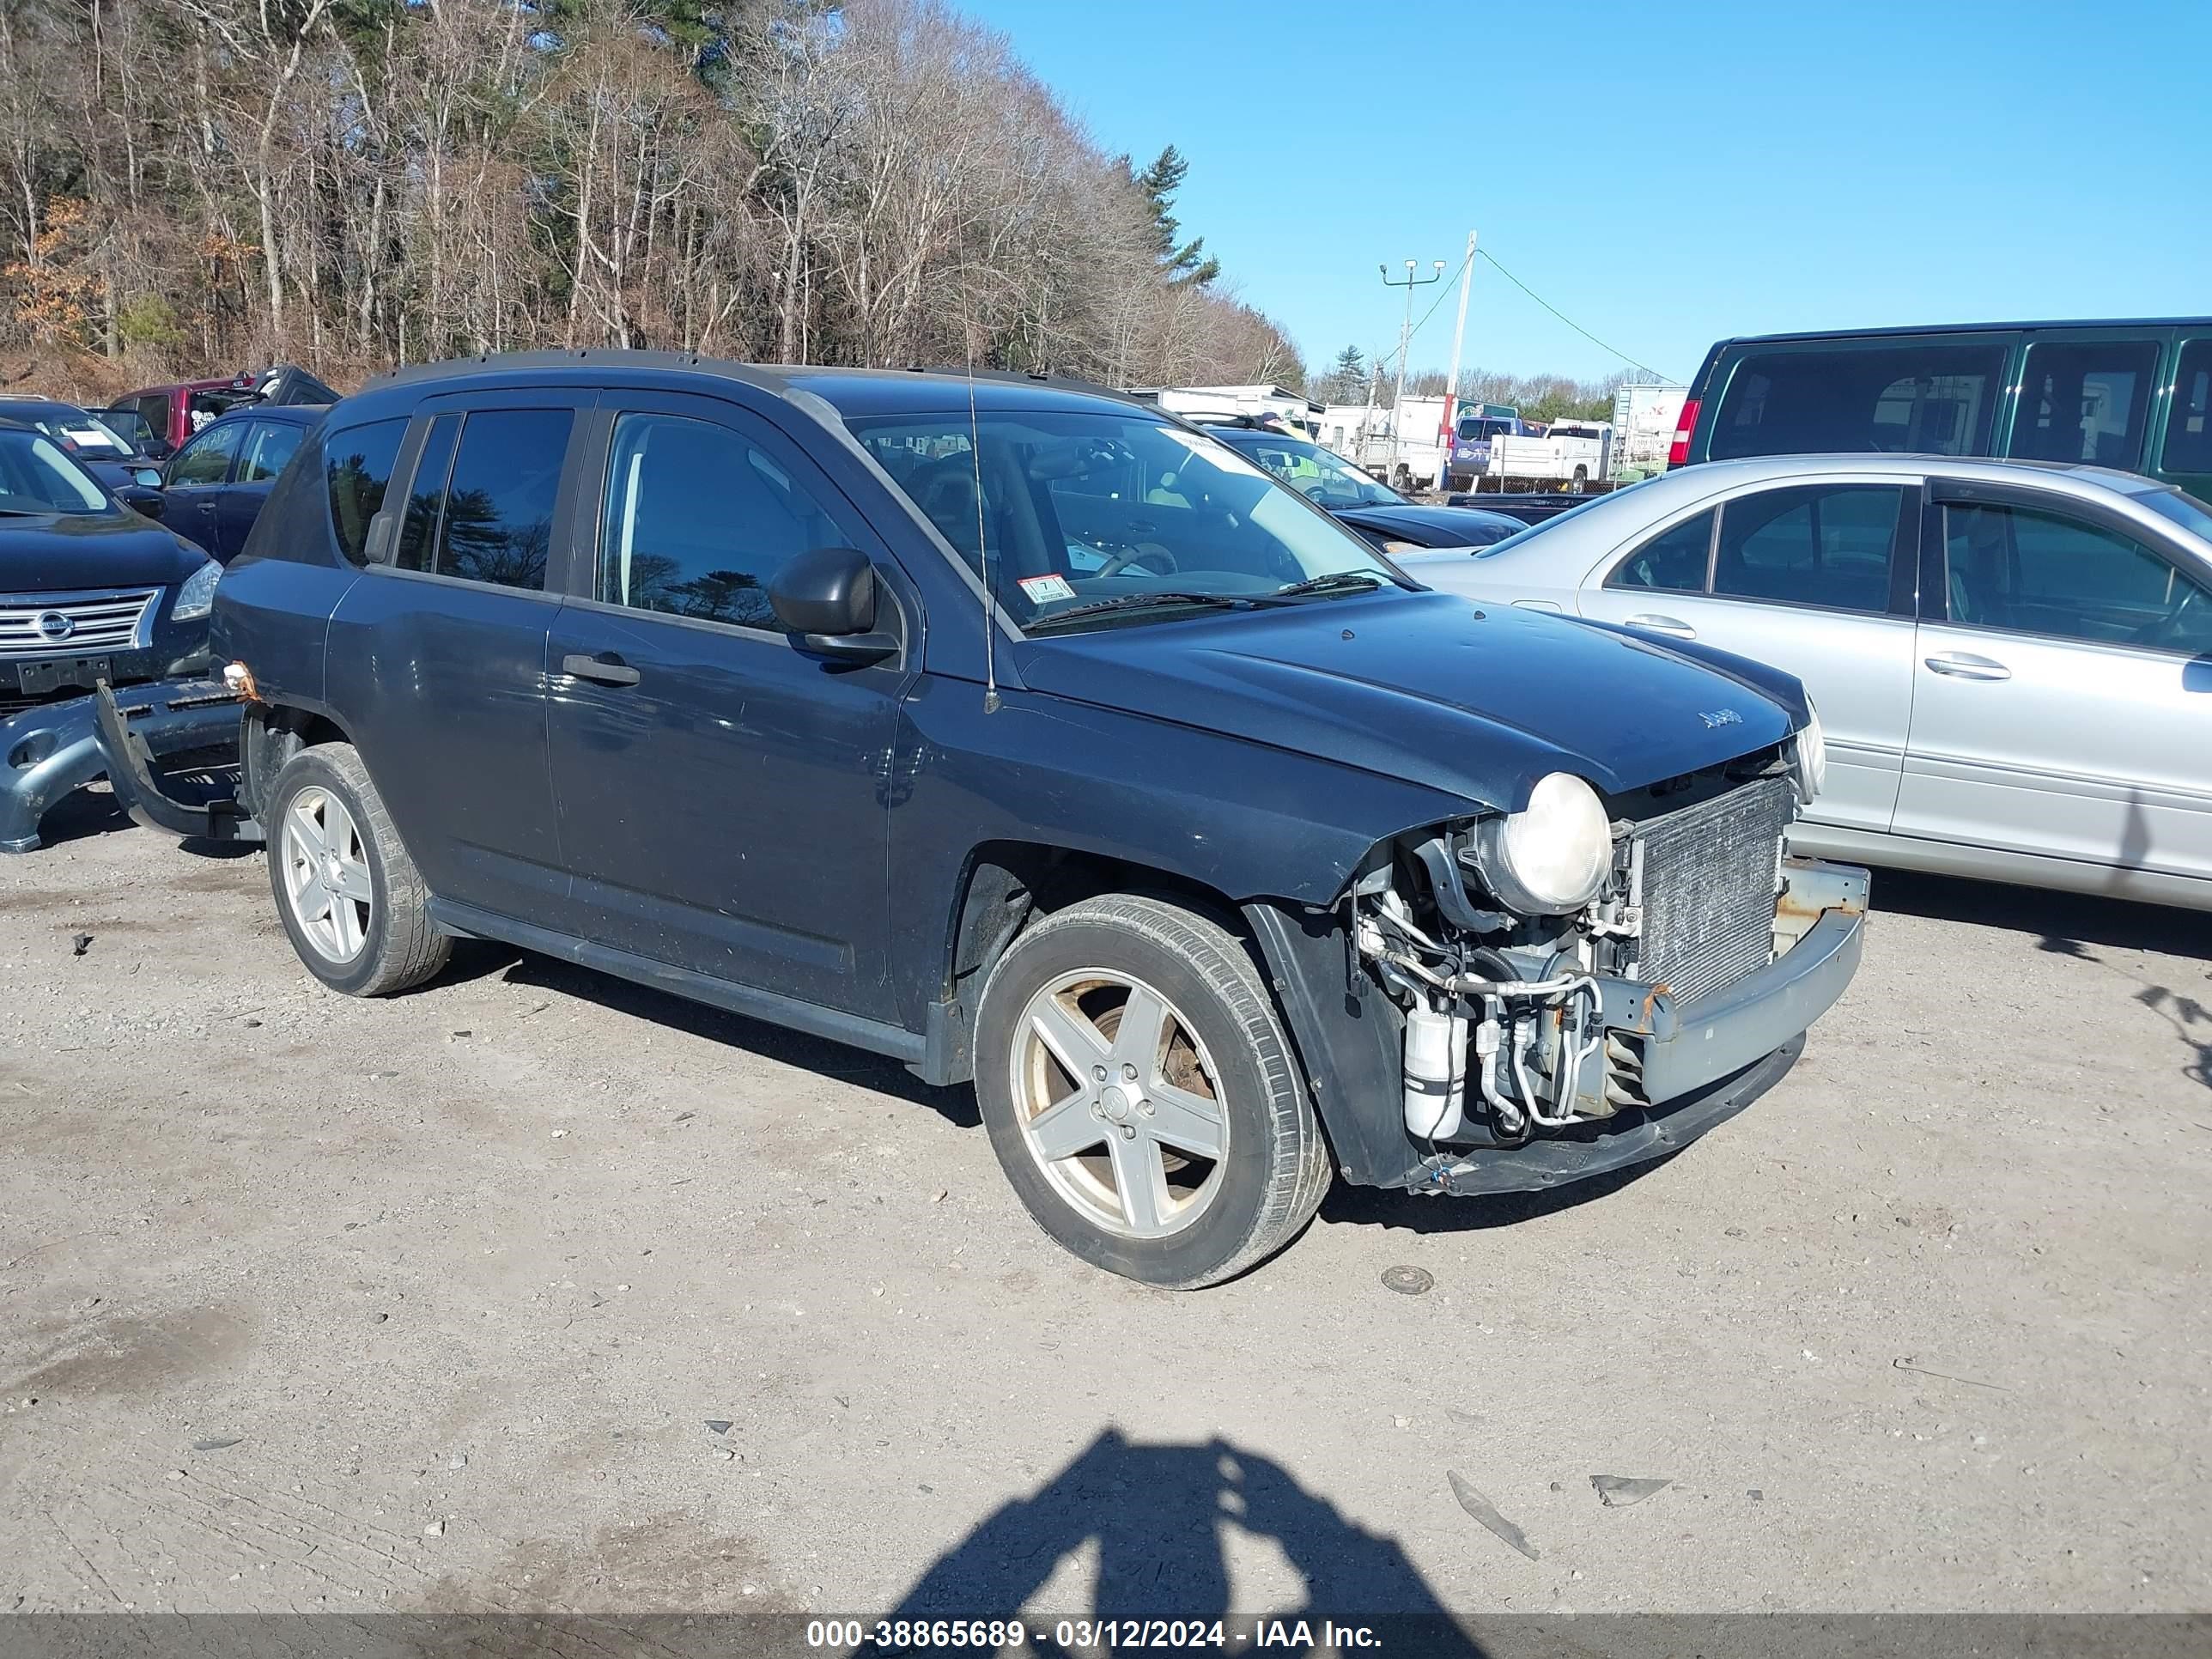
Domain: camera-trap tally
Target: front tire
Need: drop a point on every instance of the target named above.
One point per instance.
(1142, 1096)
(349, 897)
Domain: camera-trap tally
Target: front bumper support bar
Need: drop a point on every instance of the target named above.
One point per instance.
(1704, 1061)
(1687, 1047)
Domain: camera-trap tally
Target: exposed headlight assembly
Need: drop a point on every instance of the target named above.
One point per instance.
(196, 597)
(1812, 755)
(1552, 856)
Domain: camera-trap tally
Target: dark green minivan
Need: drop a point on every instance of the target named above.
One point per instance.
(2132, 395)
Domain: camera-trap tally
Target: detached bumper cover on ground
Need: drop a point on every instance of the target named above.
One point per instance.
(46, 752)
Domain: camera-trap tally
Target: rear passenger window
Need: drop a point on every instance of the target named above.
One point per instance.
(356, 468)
(1924, 397)
(697, 519)
(268, 445)
(2189, 428)
(2085, 401)
(1673, 562)
(489, 518)
(1823, 545)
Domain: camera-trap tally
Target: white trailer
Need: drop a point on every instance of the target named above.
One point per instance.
(1406, 446)
(1343, 428)
(1644, 420)
(1197, 402)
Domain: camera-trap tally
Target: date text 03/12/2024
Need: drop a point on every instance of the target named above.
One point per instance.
(1090, 1635)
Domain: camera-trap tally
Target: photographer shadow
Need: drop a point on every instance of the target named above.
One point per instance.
(1158, 1515)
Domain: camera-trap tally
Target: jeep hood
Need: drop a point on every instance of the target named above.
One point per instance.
(1479, 701)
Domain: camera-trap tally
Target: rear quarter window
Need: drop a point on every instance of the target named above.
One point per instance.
(1934, 398)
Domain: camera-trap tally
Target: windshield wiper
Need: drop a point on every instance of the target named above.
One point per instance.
(1336, 581)
(1146, 600)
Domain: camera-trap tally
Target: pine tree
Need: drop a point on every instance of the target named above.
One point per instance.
(1346, 379)
(1183, 262)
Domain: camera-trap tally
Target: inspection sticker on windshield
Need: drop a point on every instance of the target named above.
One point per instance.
(1044, 589)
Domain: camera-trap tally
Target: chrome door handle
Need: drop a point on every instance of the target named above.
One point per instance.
(606, 669)
(1657, 624)
(1965, 666)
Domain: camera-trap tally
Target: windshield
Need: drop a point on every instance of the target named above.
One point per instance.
(1316, 473)
(1078, 509)
(73, 429)
(36, 477)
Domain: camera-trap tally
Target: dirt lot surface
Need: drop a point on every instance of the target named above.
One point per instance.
(532, 1289)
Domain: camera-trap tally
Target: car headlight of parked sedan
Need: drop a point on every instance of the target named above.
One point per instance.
(1812, 755)
(1552, 856)
(196, 597)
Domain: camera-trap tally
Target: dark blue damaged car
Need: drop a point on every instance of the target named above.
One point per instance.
(1034, 738)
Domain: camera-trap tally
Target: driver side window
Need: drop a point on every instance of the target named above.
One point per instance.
(667, 544)
(2040, 573)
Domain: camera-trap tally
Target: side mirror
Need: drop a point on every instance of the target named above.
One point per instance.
(827, 598)
(143, 498)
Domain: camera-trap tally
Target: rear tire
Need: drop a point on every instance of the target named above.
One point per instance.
(1178, 1152)
(349, 897)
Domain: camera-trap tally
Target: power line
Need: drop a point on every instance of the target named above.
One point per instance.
(1568, 320)
(1446, 288)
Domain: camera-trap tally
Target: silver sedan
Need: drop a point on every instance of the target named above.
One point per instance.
(2012, 660)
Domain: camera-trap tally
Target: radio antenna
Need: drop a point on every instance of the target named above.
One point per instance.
(982, 539)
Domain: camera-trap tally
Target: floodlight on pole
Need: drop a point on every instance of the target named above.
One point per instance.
(1409, 282)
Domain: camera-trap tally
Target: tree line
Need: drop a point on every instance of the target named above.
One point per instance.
(1538, 397)
(349, 184)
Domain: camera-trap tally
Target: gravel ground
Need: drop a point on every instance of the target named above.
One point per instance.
(536, 1291)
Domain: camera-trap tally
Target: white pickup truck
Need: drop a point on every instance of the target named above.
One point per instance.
(1571, 455)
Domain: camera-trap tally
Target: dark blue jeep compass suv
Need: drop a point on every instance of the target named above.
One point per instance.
(1029, 735)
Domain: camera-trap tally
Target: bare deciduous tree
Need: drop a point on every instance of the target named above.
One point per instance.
(191, 183)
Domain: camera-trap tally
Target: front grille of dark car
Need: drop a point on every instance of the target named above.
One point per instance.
(89, 622)
(1708, 875)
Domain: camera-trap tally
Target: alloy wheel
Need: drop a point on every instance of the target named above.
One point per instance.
(327, 874)
(1120, 1103)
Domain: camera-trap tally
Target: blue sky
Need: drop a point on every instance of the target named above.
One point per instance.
(1665, 174)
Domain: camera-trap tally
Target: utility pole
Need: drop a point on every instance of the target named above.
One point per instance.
(1451, 380)
(1409, 282)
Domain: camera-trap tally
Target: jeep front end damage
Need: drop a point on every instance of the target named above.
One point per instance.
(1603, 979)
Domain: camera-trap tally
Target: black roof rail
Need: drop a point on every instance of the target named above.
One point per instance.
(776, 378)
